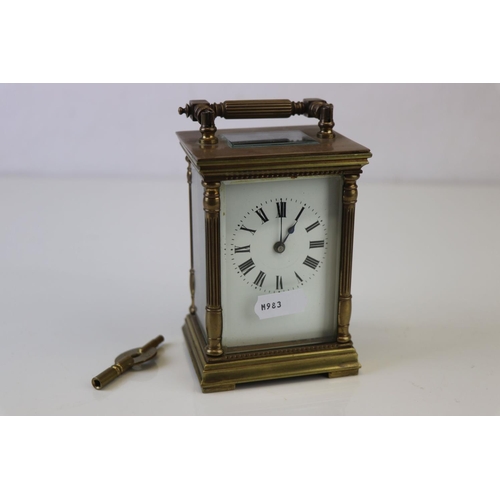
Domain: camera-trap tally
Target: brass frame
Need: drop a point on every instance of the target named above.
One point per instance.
(218, 370)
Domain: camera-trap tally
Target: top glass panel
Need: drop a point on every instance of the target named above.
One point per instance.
(268, 138)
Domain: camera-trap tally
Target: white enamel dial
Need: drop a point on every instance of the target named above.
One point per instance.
(279, 244)
(280, 238)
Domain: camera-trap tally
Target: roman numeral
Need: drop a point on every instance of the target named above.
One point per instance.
(312, 226)
(242, 249)
(247, 266)
(262, 215)
(243, 228)
(259, 281)
(279, 283)
(298, 277)
(316, 244)
(281, 206)
(312, 263)
(300, 213)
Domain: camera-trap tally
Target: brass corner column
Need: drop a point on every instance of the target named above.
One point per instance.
(213, 317)
(192, 307)
(349, 198)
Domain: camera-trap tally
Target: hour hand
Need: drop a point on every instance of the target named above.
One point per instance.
(290, 230)
(280, 245)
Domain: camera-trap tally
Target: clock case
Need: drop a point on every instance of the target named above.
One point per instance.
(216, 161)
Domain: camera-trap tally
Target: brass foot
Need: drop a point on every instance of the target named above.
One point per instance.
(342, 373)
(218, 388)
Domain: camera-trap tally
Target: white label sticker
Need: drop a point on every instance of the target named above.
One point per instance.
(280, 304)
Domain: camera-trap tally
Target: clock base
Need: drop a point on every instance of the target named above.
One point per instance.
(223, 373)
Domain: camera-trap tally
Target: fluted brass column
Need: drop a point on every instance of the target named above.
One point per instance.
(213, 318)
(192, 307)
(349, 198)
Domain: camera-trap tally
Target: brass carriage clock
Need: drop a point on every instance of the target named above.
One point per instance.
(272, 221)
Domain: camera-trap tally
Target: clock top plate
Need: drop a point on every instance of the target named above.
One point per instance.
(271, 149)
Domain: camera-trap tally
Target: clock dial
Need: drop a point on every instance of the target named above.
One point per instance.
(280, 240)
(286, 248)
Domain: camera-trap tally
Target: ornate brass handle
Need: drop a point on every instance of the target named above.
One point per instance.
(205, 113)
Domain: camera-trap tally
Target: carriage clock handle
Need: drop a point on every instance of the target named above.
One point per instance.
(205, 113)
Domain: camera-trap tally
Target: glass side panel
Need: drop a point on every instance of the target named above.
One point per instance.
(270, 138)
(199, 258)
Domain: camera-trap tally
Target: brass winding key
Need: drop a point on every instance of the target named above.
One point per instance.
(127, 360)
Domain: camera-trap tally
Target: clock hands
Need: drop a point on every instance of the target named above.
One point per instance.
(290, 231)
(280, 245)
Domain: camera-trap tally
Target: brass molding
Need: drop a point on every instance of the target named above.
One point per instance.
(205, 113)
(218, 172)
(276, 174)
(349, 198)
(213, 317)
(223, 374)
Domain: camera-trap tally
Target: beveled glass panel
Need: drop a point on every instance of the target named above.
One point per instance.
(269, 138)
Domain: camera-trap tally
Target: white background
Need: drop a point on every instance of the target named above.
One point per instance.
(417, 132)
(108, 40)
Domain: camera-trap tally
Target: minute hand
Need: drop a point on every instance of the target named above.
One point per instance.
(291, 229)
